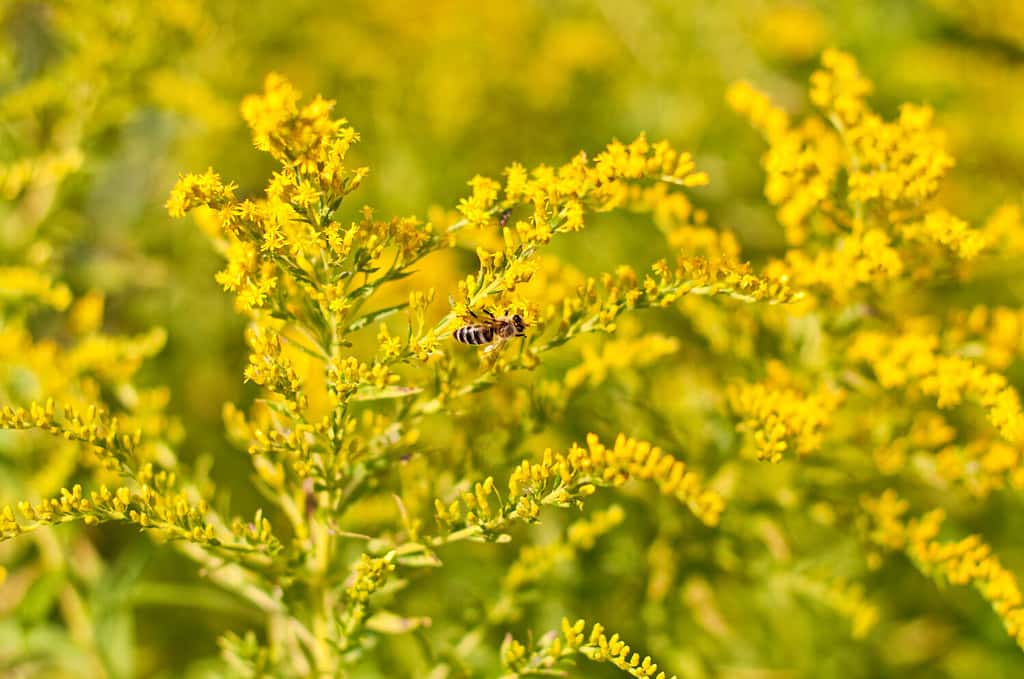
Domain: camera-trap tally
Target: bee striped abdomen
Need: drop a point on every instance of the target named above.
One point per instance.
(474, 334)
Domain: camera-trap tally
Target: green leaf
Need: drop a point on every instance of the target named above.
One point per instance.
(192, 596)
(363, 321)
(377, 393)
(420, 560)
(386, 622)
(41, 597)
(318, 355)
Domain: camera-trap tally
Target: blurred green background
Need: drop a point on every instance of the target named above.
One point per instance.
(439, 91)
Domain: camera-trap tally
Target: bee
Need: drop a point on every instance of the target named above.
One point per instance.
(503, 220)
(494, 331)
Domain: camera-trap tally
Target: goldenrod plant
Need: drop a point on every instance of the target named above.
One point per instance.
(600, 411)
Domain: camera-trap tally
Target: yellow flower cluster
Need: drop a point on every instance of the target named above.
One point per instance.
(272, 370)
(94, 427)
(840, 87)
(306, 137)
(272, 447)
(559, 199)
(704, 277)
(913, 360)
(949, 231)
(892, 170)
(351, 378)
(929, 432)
(900, 162)
(19, 284)
(781, 418)
(564, 479)
(964, 562)
(801, 164)
(596, 305)
(195, 190)
(583, 534)
(111, 357)
(996, 331)
(755, 106)
(157, 508)
(560, 196)
(982, 466)
(370, 575)
(619, 353)
(48, 167)
(596, 646)
(866, 257)
(286, 254)
(560, 478)
(1004, 230)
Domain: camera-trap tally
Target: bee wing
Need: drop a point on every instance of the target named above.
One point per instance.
(495, 345)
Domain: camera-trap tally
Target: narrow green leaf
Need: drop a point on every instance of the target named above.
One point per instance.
(378, 393)
(373, 316)
(420, 560)
(386, 622)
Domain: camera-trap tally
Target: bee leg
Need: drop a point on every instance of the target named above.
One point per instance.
(473, 314)
(490, 314)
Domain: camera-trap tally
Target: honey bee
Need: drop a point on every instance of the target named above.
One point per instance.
(494, 331)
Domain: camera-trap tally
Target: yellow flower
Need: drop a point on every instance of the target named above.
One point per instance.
(596, 646)
(1003, 231)
(18, 284)
(857, 260)
(193, 190)
(558, 477)
(948, 231)
(964, 562)
(898, 162)
(616, 354)
(782, 418)
(913, 359)
(839, 86)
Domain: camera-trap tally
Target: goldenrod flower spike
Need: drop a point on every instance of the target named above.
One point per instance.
(157, 508)
(964, 562)
(553, 652)
(892, 168)
(94, 427)
(839, 86)
(913, 359)
(638, 352)
(23, 284)
(561, 197)
(369, 575)
(565, 479)
(781, 418)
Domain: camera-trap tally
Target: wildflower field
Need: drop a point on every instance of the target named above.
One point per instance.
(456, 339)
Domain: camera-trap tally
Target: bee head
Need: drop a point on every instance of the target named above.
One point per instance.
(517, 321)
